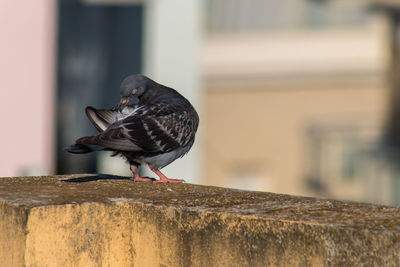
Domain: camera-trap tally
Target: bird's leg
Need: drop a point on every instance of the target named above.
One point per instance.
(163, 178)
(136, 176)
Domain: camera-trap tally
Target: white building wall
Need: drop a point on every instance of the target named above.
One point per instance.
(173, 33)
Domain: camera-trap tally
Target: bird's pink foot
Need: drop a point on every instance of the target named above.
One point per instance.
(168, 180)
(137, 177)
(163, 178)
(142, 179)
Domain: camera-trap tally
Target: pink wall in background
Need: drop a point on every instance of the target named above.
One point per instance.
(27, 86)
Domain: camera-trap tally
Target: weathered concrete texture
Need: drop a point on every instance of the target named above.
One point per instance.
(111, 221)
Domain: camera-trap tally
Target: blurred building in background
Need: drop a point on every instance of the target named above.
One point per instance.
(65, 55)
(293, 95)
(98, 45)
(27, 87)
(296, 97)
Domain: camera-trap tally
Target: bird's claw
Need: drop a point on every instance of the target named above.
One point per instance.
(143, 179)
(168, 180)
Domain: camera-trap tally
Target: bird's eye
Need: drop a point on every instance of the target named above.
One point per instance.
(134, 90)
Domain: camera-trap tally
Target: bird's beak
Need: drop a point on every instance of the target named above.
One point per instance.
(123, 103)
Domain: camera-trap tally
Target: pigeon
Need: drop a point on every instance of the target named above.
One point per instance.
(157, 129)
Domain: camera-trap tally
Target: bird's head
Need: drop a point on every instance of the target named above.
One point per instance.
(132, 86)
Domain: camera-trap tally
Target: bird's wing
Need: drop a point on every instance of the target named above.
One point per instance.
(101, 118)
(161, 127)
(104, 118)
(114, 139)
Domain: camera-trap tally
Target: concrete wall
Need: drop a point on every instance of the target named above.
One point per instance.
(111, 221)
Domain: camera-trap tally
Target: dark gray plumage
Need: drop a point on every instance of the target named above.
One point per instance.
(157, 130)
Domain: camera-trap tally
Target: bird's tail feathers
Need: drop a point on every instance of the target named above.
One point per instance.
(81, 148)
